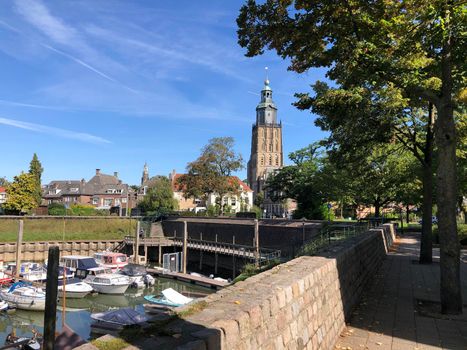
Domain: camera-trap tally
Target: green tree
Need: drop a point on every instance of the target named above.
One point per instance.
(419, 46)
(388, 117)
(35, 169)
(298, 181)
(211, 172)
(159, 196)
(21, 194)
(4, 182)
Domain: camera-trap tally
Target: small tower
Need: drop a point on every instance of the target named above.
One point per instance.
(145, 177)
(266, 147)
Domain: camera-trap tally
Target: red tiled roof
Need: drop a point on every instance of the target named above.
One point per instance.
(2, 189)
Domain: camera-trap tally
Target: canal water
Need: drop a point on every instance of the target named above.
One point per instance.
(78, 311)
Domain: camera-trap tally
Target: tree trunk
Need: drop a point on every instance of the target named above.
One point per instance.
(377, 209)
(426, 241)
(407, 214)
(451, 297)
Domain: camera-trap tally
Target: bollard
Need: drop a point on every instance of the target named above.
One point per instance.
(51, 291)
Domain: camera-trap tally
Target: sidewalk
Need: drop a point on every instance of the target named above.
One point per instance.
(399, 310)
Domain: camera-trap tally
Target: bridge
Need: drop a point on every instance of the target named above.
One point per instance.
(257, 254)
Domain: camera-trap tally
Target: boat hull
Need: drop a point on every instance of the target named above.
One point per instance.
(24, 303)
(109, 289)
(73, 295)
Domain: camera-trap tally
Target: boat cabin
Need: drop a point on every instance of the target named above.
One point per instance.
(112, 260)
(79, 264)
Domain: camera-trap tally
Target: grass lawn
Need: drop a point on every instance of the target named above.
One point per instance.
(74, 229)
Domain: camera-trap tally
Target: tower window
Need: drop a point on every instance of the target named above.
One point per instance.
(270, 147)
(270, 160)
(277, 160)
(262, 160)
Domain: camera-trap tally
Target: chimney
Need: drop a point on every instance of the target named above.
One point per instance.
(98, 171)
(172, 174)
(116, 174)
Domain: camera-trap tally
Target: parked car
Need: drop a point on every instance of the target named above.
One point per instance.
(434, 220)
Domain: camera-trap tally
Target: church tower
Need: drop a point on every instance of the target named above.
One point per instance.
(266, 142)
(145, 177)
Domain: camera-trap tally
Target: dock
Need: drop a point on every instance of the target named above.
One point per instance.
(184, 277)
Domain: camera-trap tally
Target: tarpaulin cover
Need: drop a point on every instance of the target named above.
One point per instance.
(123, 317)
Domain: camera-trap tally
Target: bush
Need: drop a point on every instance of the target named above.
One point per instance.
(56, 209)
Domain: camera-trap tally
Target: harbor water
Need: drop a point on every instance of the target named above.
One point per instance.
(78, 311)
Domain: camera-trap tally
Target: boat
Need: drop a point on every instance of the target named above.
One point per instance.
(3, 305)
(112, 322)
(74, 288)
(112, 260)
(170, 298)
(104, 282)
(24, 296)
(30, 271)
(139, 278)
(24, 343)
(78, 264)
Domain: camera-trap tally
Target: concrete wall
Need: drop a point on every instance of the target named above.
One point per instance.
(38, 251)
(286, 235)
(302, 304)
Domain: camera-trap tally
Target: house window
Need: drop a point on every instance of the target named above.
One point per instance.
(225, 200)
(73, 189)
(108, 202)
(117, 201)
(95, 201)
(123, 200)
(233, 201)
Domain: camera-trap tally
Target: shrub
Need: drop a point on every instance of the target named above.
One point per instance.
(56, 209)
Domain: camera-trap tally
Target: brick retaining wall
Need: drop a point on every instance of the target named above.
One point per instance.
(302, 304)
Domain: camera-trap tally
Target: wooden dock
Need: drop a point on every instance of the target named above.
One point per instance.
(198, 280)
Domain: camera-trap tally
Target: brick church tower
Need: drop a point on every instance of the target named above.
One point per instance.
(266, 148)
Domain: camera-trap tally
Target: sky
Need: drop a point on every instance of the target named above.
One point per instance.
(114, 84)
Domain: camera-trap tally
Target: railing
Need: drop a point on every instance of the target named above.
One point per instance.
(332, 233)
(263, 255)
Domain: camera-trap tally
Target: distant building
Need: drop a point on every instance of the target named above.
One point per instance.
(266, 151)
(2, 195)
(101, 191)
(241, 201)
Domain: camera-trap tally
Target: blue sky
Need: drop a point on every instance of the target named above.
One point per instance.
(113, 84)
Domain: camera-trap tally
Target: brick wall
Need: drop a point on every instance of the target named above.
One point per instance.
(302, 304)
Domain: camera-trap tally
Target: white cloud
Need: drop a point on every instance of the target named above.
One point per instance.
(43, 129)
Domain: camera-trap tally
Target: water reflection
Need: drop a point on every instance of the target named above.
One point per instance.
(79, 310)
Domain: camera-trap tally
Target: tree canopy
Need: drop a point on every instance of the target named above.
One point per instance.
(36, 169)
(21, 194)
(159, 196)
(416, 46)
(211, 171)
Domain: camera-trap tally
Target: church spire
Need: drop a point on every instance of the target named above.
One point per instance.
(145, 177)
(266, 111)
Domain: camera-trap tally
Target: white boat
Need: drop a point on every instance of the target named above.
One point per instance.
(104, 282)
(3, 305)
(78, 264)
(25, 297)
(29, 271)
(139, 278)
(74, 288)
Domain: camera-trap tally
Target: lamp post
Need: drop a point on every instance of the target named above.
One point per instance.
(329, 212)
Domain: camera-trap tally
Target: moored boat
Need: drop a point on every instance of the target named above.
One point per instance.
(111, 322)
(74, 288)
(139, 278)
(112, 260)
(107, 283)
(24, 296)
(169, 298)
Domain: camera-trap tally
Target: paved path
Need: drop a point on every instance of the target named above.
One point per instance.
(392, 313)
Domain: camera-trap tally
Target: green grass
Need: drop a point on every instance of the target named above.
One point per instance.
(75, 229)
(113, 344)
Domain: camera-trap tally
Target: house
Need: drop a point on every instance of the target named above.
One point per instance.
(240, 201)
(2, 195)
(101, 191)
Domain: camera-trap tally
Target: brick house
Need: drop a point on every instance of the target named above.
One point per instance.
(101, 191)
